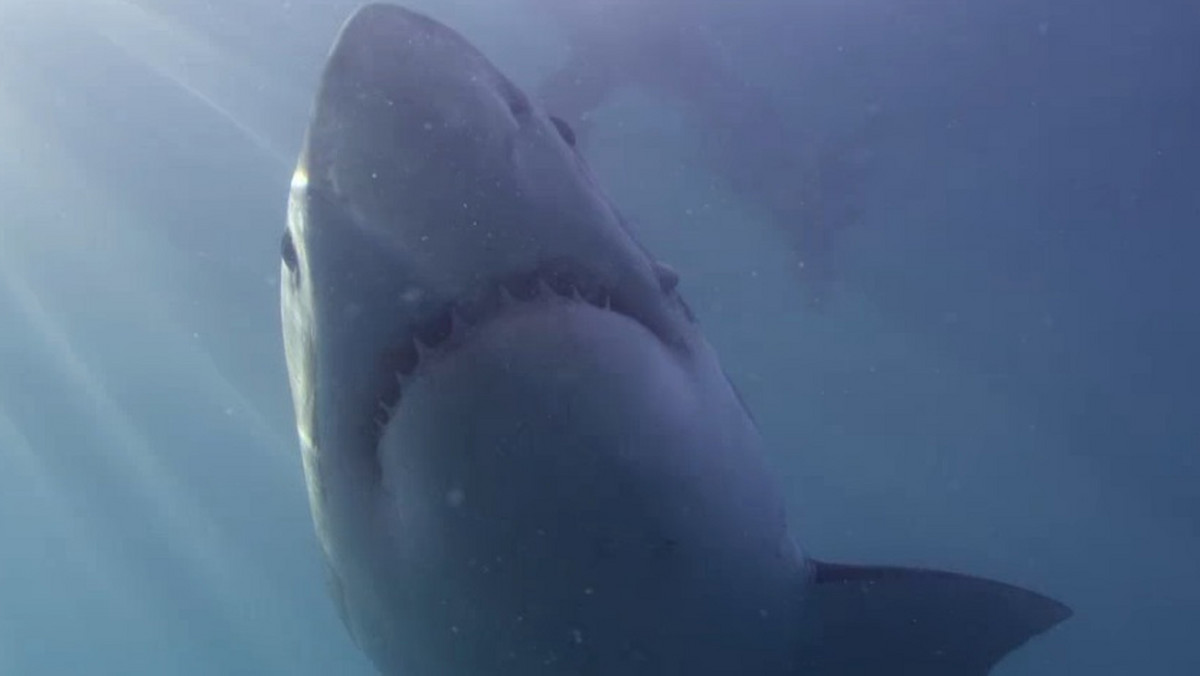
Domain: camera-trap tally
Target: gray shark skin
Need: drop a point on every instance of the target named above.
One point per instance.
(523, 458)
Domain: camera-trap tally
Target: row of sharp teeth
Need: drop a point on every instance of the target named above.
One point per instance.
(450, 320)
(543, 289)
(432, 335)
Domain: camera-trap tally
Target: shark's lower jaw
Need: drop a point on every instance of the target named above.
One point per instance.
(549, 287)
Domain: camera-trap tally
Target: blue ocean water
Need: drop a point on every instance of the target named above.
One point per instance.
(986, 362)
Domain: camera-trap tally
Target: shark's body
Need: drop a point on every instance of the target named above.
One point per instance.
(523, 457)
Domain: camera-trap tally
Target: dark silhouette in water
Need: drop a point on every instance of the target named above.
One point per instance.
(808, 187)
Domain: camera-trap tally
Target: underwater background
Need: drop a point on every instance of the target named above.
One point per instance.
(947, 249)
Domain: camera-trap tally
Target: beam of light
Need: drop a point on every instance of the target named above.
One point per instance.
(194, 537)
(37, 168)
(62, 528)
(234, 90)
(112, 265)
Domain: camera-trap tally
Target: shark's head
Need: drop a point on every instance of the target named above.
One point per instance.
(430, 192)
(456, 287)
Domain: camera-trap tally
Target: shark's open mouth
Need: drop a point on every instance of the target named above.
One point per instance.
(445, 329)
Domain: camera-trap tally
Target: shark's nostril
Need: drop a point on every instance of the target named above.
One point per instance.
(564, 130)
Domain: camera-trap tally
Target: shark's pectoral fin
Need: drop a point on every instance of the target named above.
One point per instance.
(884, 621)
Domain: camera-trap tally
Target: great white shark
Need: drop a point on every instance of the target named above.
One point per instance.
(522, 456)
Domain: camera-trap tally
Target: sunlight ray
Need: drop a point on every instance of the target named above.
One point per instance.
(194, 536)
(234, 90)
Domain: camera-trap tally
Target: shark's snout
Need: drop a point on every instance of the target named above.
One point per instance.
(381, 42)
(423, 149)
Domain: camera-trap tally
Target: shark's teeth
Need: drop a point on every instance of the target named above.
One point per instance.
(445, 328)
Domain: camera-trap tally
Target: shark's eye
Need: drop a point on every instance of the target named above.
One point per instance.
(289, 252)
(668, 279)
(564, 130)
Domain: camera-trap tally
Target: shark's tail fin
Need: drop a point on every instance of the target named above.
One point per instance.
(879, 621)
